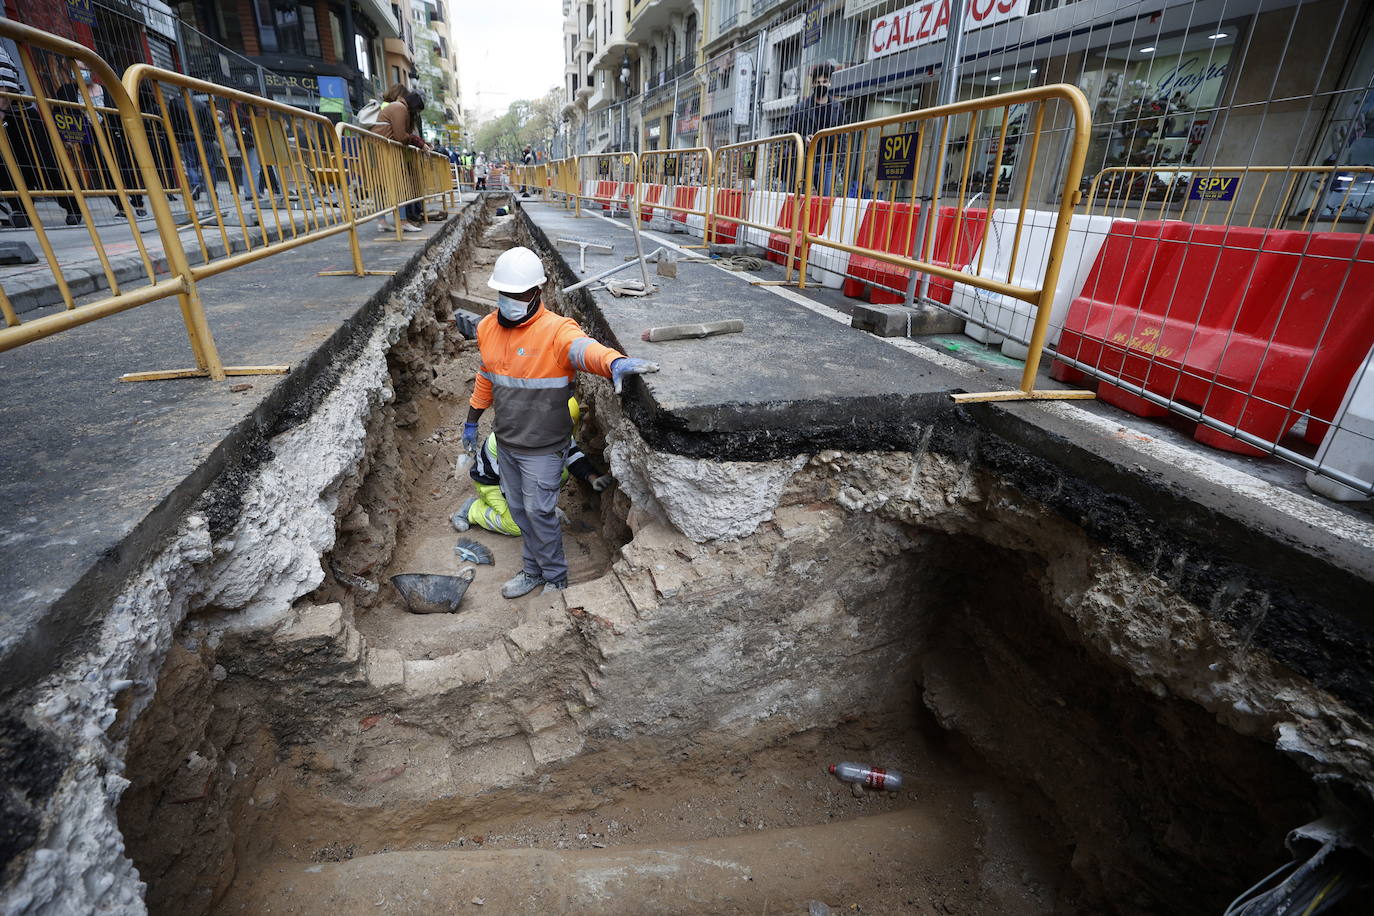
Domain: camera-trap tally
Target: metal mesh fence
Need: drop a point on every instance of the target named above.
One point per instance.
(1218, 265)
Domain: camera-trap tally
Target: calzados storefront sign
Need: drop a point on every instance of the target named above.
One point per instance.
(922, 23)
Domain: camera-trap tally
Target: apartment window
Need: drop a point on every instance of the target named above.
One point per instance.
(287, 28)
(364, 52)
(222, 19)
(727, 11)
(787, 53)
(336, 32)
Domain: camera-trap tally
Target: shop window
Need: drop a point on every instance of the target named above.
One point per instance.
(1347, 148)
(1154, 103)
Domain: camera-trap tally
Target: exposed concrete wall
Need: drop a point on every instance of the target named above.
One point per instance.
(249, 548)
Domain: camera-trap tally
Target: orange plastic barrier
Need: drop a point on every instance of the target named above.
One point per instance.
(891, 227)
(1254, 327)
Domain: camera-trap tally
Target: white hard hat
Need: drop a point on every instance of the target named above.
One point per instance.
(516, 271)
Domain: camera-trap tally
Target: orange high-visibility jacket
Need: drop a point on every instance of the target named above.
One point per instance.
(527, 373)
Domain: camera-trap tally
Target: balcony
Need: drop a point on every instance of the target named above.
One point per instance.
(379, 11)
(664, 77)
(654, 15)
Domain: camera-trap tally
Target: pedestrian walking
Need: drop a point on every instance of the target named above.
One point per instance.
(34, 155)
(527, 160)
(530, 357)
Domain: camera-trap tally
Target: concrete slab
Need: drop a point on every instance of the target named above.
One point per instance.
(787, 380)
(95, 471)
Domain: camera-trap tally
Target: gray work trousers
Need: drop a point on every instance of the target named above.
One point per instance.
(530, 484)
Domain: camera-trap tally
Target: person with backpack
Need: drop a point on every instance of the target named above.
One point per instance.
(398, 120)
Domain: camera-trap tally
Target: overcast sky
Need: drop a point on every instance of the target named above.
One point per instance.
(507, 50)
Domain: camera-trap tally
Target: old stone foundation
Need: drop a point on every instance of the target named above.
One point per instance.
(1080, 733)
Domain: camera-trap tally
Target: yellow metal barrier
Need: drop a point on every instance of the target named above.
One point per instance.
(670, 170)
(378, 179)
(754, 184)
(565, 181)
(1302, 197)
(120, 154)
(607, 179)
(293, 197)
(885, 159)
(291, 179)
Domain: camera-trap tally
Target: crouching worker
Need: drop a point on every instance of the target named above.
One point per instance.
(488, 509)
(529, 358)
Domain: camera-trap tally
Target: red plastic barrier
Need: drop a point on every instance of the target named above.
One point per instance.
(891, 227)
(729, 203)
(816, 222)
(652, 193)
(1250, 326)
(684, 196)
(605, 193)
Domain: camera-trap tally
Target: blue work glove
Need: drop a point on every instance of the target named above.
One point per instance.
(629, 365)
(470, 438)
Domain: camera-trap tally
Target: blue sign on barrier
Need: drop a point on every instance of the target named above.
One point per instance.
(897, 157)
(811, 30)
(81, 11)
(1214, 188)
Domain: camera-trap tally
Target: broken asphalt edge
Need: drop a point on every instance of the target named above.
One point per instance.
(67, 624)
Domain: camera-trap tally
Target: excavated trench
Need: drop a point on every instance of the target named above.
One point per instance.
(654, 739)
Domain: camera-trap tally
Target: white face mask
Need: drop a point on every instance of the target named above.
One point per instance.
(511, 309)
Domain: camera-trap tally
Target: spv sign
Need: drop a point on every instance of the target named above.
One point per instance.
(1213, 187)
(927, 21)
(897, 158)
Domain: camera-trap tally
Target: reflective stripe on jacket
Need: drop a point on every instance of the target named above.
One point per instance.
(527, 374)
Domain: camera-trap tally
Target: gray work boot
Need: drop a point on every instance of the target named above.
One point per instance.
(522, 584)
(460, 518)
(550, 587)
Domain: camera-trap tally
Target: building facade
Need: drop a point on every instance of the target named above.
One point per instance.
(332, 48)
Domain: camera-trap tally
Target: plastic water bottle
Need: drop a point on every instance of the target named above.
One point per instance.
(865, 775)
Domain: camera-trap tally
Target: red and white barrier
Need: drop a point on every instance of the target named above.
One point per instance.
(1000, 316)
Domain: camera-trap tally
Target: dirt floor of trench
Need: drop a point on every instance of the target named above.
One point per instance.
(768, 832)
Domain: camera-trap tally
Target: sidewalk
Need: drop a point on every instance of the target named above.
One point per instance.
(31, 286)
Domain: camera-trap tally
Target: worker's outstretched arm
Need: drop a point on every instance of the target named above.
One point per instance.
(586, 355)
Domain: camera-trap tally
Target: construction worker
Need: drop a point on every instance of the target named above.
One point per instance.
(489, 510)
(529, 359)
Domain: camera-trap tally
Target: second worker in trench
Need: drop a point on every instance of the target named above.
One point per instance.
(530, 357)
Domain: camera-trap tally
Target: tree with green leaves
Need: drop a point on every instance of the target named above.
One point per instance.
(533, 122)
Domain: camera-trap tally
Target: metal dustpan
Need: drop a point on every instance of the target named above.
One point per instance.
(426, 593)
